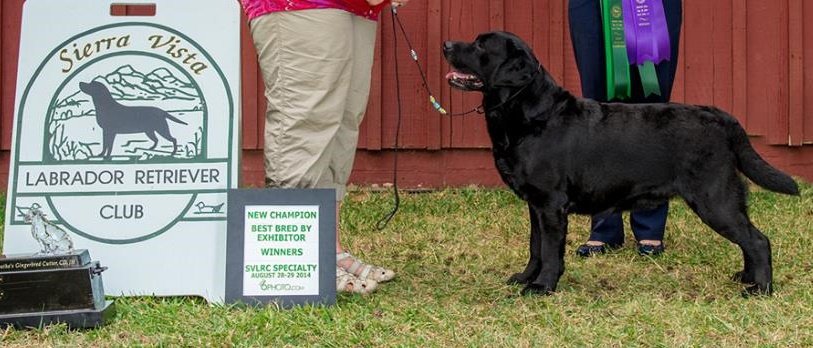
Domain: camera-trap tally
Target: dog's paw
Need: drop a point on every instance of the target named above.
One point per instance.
(743, 277)
(758, 290)
(518, 278)
(536, 289)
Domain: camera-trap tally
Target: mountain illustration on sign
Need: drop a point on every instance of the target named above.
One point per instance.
(131, 104)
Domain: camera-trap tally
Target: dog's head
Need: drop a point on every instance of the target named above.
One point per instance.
(93, 88)
(33, 212)
(493, 60)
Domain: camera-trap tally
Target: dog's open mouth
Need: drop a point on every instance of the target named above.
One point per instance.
(466, 82)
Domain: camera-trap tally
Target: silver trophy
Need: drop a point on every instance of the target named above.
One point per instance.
(52, 239)
(57, 284)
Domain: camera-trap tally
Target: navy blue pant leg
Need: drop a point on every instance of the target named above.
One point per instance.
(608, 228)
(588, 45)
(649, 224)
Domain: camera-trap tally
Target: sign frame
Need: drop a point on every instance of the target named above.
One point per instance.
(238, 200)
(183, 84)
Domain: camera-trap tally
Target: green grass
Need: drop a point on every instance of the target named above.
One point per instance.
(453, 250)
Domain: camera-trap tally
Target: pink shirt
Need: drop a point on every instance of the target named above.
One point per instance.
(256, 8)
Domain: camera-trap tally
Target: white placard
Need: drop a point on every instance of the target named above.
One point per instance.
(281, 250)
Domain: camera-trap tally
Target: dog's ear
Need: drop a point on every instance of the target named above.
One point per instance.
(516, 70)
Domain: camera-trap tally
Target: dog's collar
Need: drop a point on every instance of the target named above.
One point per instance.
(510, 98)
(482, 110)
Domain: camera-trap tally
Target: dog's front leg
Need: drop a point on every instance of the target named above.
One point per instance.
(535, 249)
(108, 138)
(553, 222)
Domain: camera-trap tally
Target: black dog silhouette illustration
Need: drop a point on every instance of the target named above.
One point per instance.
(115, 118)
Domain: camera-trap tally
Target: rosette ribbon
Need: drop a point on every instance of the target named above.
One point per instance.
(635, 32)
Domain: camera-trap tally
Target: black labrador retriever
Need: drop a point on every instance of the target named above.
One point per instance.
(565, 155)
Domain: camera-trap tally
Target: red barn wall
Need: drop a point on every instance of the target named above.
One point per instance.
(751, 58)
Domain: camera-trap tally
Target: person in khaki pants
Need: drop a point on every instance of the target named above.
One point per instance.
(316, 59)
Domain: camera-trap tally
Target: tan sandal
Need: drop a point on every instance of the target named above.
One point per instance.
(346, 282)
(363, 270)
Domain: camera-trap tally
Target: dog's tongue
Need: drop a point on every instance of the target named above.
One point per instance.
(457, 75)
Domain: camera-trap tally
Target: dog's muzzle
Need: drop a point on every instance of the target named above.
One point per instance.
(466, 82)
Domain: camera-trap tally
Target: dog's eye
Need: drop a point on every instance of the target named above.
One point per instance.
(478, 46)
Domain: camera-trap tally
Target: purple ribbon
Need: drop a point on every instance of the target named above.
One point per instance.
(647, 34)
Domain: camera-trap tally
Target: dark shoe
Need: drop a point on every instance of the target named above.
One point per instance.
(586, 250)
(651, 250)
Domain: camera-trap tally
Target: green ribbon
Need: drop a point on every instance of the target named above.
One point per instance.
(617, 61)
(649, 78)
(615, 46)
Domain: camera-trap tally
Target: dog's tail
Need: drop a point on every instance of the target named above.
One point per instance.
(756, 168)
(175, 119)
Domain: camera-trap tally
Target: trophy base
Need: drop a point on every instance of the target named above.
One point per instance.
(75, 319)
(51, 290)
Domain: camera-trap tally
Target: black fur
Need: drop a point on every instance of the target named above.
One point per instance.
(565, 155)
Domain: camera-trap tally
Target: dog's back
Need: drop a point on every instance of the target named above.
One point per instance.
(614, 154)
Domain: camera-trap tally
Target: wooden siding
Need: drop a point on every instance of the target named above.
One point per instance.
(752, 58)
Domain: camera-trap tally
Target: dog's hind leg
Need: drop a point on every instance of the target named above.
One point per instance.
(535, 262)
(721, 204)
(164, 131)
(552, 221)
(174, 145)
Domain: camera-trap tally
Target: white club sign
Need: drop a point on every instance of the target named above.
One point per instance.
(126, 134)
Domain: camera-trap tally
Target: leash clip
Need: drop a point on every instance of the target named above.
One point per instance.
(480, 110)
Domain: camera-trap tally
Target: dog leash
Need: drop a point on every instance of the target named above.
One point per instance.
(414, 56)
(432, 100)
(396, 22)
(382, 224)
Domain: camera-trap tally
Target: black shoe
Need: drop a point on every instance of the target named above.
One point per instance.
(586, 250)
(651, 250)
